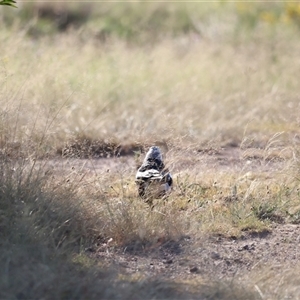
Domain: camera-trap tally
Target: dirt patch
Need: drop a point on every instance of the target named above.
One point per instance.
(214, 257)
(87, 148)
(101, 156)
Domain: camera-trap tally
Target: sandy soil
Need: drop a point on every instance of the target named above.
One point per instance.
(216, 257)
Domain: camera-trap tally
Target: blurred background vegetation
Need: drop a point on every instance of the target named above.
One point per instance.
(206, 53)
(144, 21)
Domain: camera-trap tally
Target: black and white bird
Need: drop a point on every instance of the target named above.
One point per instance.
(152, 178)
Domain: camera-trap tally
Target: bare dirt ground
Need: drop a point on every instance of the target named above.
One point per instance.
(216, 256)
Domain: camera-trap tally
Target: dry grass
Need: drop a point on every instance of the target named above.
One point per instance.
(211, 91)
(70, 93)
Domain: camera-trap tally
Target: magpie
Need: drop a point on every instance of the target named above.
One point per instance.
(152, 178)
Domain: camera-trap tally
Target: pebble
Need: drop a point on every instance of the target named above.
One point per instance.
(194, 269)
(215, 255)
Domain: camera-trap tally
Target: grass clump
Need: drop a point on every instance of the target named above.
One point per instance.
(35, 237)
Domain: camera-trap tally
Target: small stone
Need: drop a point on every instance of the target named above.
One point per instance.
(215, 255)
(168, 261)
(194, 269)
(247, 247)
